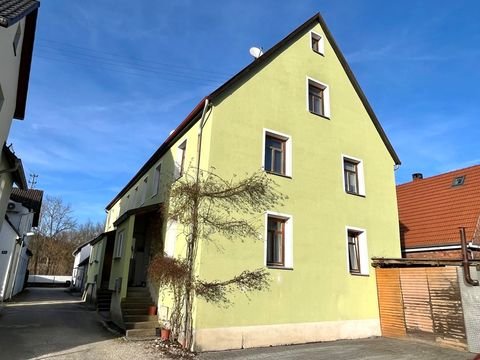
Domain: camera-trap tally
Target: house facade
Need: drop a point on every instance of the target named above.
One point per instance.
(432, 210)
(22, 215)
(80, 266)
(17, 32)
(297, 113)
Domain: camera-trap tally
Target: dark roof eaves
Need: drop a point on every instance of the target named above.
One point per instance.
(263, 58)
(184, 126)
(359, 90)
(7, 22)
(25, 64)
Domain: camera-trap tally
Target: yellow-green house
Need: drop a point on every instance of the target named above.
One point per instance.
(298, 113)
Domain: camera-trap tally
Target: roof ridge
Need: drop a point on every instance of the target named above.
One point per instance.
(433, 177)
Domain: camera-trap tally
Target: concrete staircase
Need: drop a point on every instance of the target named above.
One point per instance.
(138, 324)
(104, 297)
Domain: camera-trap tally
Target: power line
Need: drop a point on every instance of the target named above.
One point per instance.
(64, 47)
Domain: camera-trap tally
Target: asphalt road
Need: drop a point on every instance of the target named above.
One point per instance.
(365, 349)
(43, 321)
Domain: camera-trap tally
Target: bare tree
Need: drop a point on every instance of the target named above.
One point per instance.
(55, 217)
(205, 205)
(50, 245)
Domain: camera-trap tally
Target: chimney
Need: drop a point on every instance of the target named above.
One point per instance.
(417, 176)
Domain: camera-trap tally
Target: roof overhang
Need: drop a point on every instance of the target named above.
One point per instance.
(25, 64)
(138, 211)
(102, 236)
(396, 263)
(16, 168)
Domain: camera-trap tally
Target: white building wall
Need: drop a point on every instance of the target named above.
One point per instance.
(8, 238)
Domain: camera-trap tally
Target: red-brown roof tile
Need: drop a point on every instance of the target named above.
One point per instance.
(432, 210)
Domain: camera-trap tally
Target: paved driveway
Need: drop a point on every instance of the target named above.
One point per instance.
(47, 323)
(366, 349)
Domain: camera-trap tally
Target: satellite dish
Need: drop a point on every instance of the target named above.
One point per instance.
(256, 52)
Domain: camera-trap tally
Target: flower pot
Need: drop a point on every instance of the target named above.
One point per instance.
(165, 334)
(152, 310)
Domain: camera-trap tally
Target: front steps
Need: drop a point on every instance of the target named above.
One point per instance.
(104, 298)
(138, 324)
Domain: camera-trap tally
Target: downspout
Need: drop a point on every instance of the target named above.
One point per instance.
(192, 249)
(466, 266)
(199, 142)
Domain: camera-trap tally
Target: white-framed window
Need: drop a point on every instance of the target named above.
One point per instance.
(180, 161)
(357, 251)
(353, 175)
(119, 245)
(144, 190)
(156, 180)
(277, 153)
(317, 42)
(278, 240)
(170, 238)
(318, 97)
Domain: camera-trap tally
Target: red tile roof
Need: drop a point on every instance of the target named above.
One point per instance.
(431, 210)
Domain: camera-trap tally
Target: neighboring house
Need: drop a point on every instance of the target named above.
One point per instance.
(432, 210)
(298, 113)
(80, 266)
(22, 215)
(18, 20)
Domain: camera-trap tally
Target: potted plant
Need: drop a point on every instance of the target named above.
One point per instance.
(152, 310)
(165, 332)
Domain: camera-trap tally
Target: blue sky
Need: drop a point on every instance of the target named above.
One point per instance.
(110, 79)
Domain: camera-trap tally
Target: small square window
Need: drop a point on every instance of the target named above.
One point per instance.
(317, 43)
(279, 240)
(353, 252)
(315, 99)
(275, 241)
(275, 154)
(357, 252)
(353, 178)
(318, 98)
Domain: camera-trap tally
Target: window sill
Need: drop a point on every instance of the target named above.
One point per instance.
(318, 52)
(277, 174)
(359, 274)
(278, 267)
(319, 115)
(355, 194)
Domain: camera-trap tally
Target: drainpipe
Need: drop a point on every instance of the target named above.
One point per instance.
(200, 133)
(466, 265)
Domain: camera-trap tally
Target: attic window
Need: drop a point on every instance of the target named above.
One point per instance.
(458, 181)
(317, 43)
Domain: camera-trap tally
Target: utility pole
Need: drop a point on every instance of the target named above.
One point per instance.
(32, 181)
